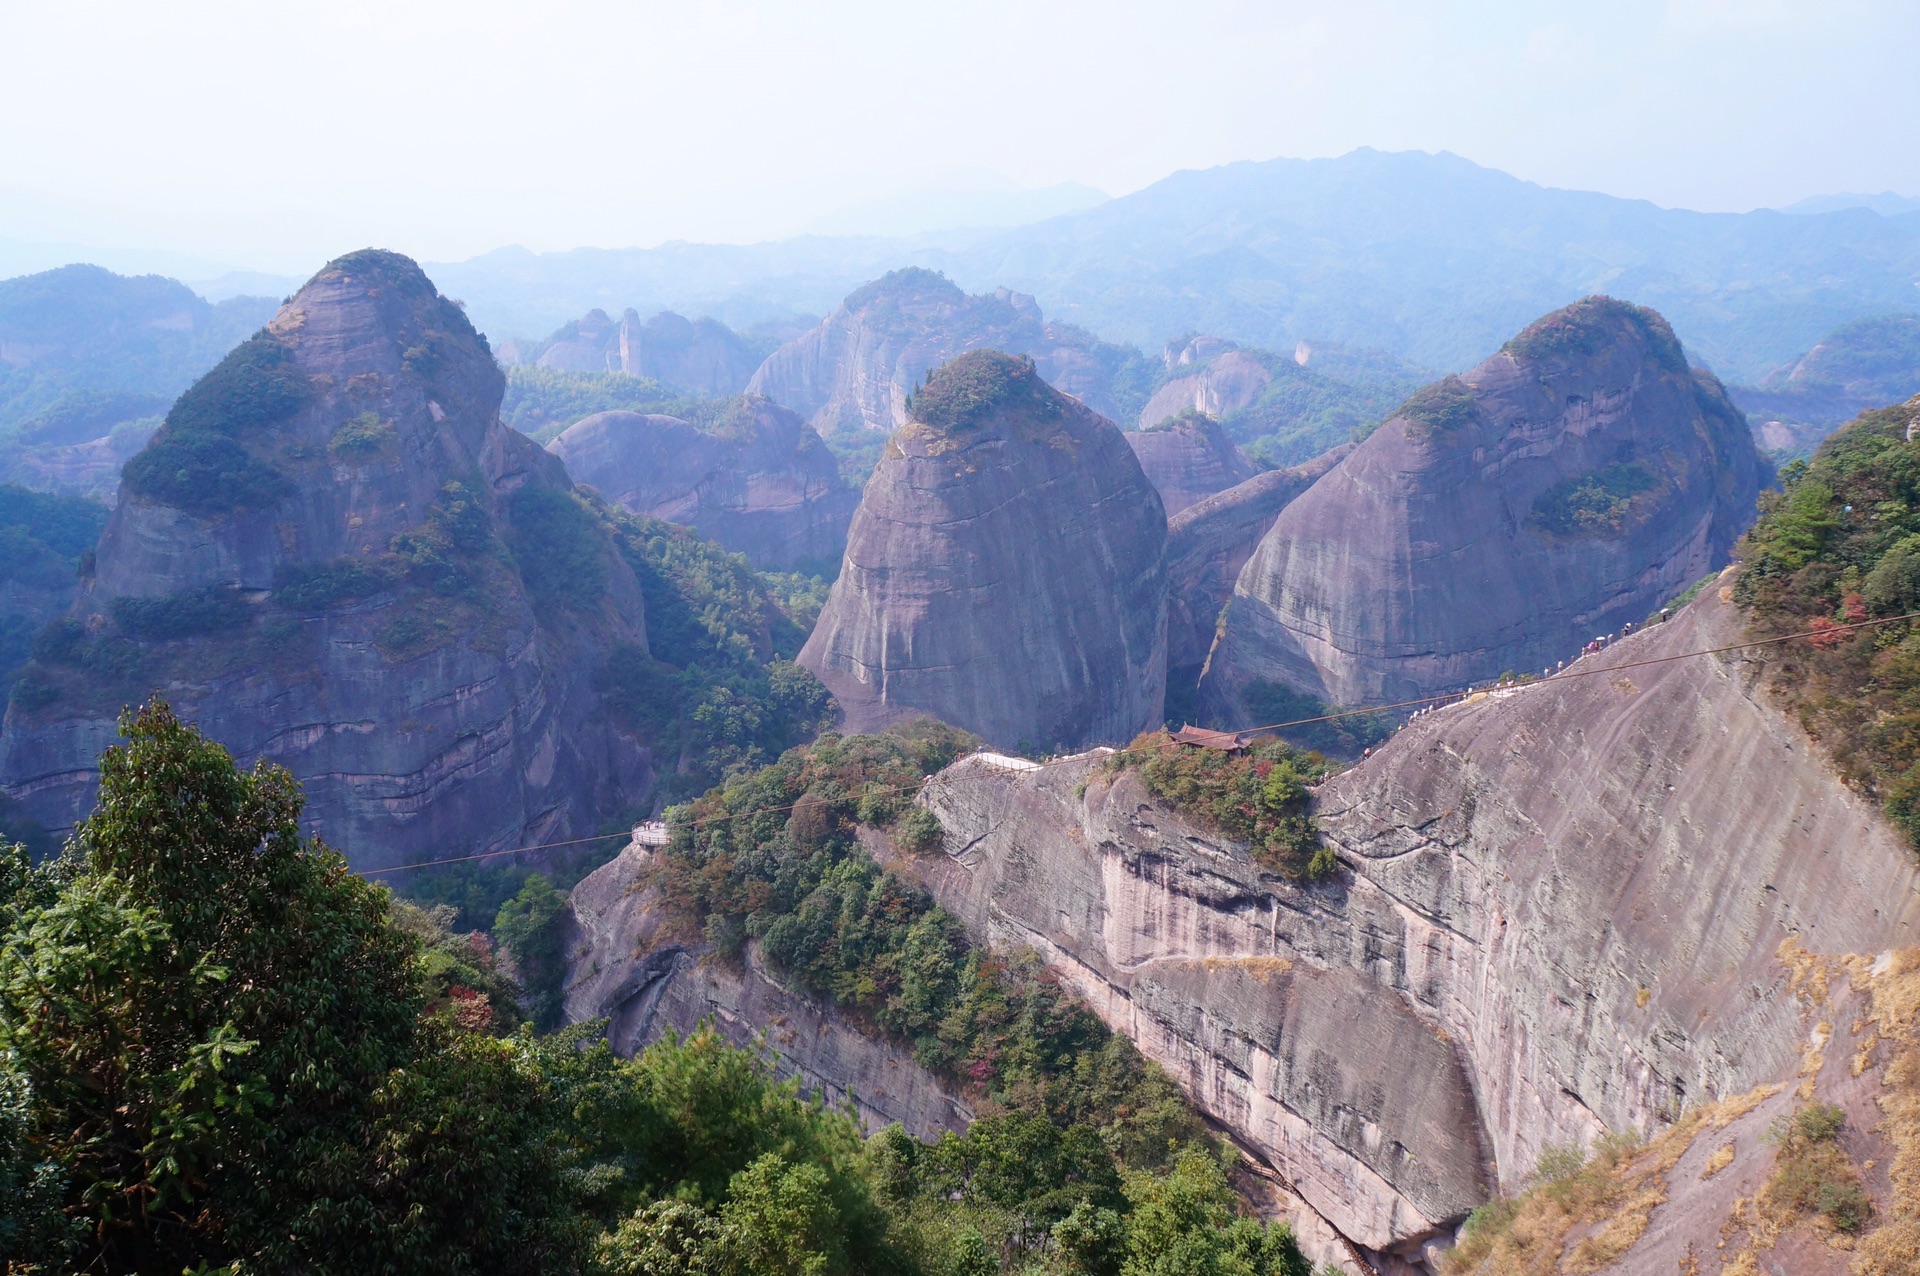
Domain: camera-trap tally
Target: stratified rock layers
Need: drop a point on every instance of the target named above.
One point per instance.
(762, 483)
(366, 622)
(1004, 571)
(1572, 482)
(1557, 913)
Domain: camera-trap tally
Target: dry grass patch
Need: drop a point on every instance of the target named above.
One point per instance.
(1893, 980)
(1606, 1200)
(1720, 1160)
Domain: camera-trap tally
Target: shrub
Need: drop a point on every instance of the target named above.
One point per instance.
(183, 615)
(412, 632)
(560, 547)
(1257, 795)
(1596, 504)
(1583, 329)
(918, 832)
(197, 461)
(33, 691)
(968, 390)
(1839, 544)
(443, 552)
(1444, 407)
(204, 474)
(366, 435)
(320, 586)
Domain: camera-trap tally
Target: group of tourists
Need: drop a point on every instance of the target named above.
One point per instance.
(1595, 647)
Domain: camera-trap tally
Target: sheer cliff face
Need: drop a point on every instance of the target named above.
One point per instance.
(1223, 382)
(336, 556)
(1004, 570)
(1208, 543)
(761, 482)
(855, 371)
(1500, 520)
(1189, 459)
(696, 356)
(1559, 912)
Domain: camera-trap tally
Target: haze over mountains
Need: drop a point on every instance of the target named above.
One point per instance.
(1429, 257)
(794, 568)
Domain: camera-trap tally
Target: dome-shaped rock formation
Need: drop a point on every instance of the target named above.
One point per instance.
(1004, 570)
(693, 356)
(759, 480)
(855, 371)
(1189, 458)
(335, 555)
(1499, 520)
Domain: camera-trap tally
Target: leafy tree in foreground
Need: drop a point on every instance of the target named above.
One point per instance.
(216, 1040)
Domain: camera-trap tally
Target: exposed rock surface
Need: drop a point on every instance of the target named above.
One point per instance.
(1189, 458)
(696, 356)
(856, 371)
(1558, 913)
(629, 965)
(1574, 481)
(329, 581)
(1208, 543)
(1222, 381)
(760, 482)
(1004, 570)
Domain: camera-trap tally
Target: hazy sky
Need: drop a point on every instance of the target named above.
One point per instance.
(274, 135)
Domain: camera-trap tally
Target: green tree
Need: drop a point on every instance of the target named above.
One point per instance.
(530, 926)
(219, 1038)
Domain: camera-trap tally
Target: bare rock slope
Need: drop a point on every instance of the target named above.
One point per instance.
(1004, 570)
(759, 481)
(855, 371)
(335, 555)
(1499, 520)
(1559, 912)
(1189, 458)
(1208, 543)
(694, 356)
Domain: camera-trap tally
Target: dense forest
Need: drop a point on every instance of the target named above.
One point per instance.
(221, 1050)
(1836, 546)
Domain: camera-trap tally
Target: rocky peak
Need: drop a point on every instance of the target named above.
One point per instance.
(1499, 520)
(1189, 458)
(1004, 570)
(1217, 384)
(757, 479)
(333, 530)
(694, 356)
(337, 427)
(855, 371)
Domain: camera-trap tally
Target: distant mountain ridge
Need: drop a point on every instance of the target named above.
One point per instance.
(1430, 257)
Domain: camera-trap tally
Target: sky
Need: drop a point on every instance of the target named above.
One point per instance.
(273, 136)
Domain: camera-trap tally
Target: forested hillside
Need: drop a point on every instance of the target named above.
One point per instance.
(220, 1049)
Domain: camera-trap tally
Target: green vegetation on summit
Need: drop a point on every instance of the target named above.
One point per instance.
(981, 384)
(1840, 543)
(1256, 795)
